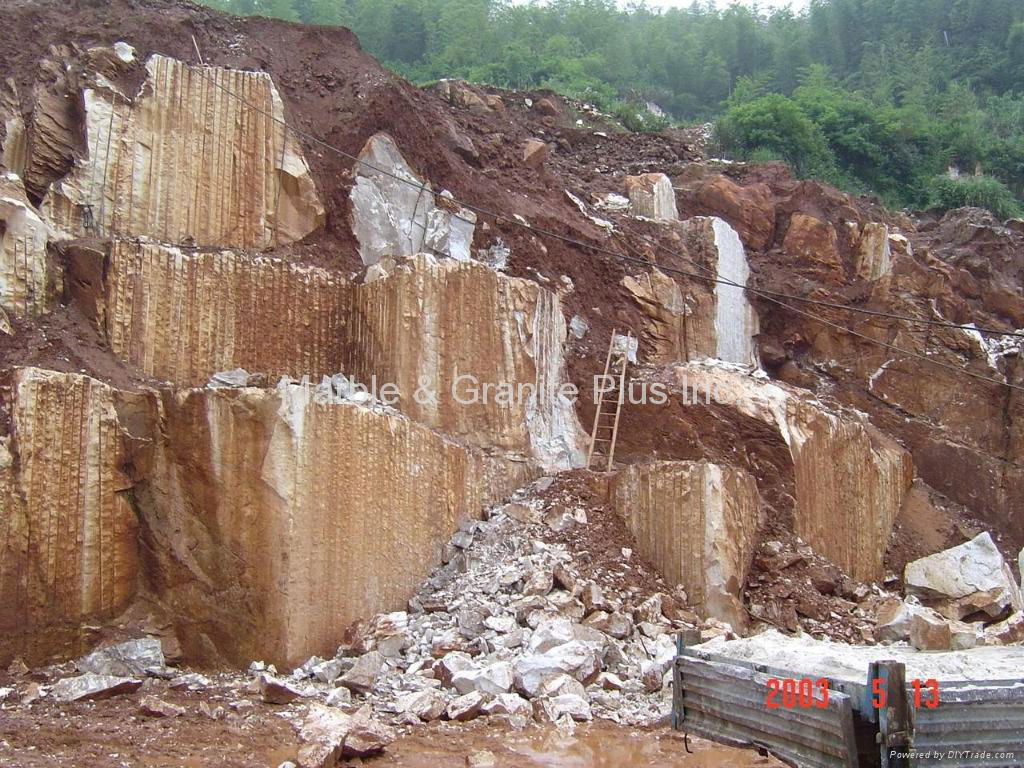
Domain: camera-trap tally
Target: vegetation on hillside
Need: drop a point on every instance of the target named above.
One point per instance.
(873, 95)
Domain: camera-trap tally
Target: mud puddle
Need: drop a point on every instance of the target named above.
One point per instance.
(593, 746)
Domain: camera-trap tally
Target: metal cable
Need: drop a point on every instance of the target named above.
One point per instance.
(772, 296)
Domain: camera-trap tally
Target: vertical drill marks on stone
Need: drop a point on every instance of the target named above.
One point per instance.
(199, 155)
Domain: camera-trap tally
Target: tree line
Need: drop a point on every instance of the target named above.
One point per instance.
(879, 96)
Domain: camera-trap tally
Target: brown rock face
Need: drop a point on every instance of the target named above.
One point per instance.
(851, 481)
(714, 321)
(185, 160)
(874, 254)
(445, 328)
(697, 523)
(13, 144)
(271, 521)
(666, 314)
(749, 209)
(182, 316)
(462, 328)
(814, 241)
(68, 533)
(651, 195)
(28, 284)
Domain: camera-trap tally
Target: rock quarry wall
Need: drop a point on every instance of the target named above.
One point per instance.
(460, 331)
(735, 319)
(199, 155)
(182, 316)
(697, 523)
(651, 196)
(263, 521)
(28, 285)
(701, 318)
(68, 530)
(851, 481)
(273, 521)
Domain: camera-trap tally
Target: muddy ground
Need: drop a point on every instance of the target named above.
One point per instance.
(251, 734)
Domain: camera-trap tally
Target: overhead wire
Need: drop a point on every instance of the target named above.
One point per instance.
(772, 296)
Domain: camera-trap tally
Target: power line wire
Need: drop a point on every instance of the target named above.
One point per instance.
(769, 295)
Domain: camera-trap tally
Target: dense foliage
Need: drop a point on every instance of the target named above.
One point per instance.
(873, 95)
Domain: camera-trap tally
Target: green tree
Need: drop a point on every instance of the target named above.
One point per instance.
(877, 95)
(775, 123)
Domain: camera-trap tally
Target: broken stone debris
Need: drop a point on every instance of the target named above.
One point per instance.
(275, 691)
(151, 706)
(237, 378)
(91, 686)
(510, 627)
(363, 675)
(578, 327)
(132, 658)
(330, 734)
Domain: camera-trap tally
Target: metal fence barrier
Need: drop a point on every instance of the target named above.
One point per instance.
(974, 725)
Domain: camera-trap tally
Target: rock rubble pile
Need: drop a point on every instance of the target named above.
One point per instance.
(510, 626)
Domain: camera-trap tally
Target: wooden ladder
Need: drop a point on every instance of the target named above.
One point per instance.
(606, 429)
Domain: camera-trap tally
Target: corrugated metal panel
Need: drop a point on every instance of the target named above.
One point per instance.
(726, 702)
(975, 724)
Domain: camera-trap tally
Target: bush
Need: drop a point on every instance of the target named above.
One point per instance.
(774, 125)
(977, 191)
(763, 155)
(638, 118)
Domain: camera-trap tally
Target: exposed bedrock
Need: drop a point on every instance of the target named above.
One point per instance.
(29, 285)
(262, 521)
(697, 523)
(68, 531)
(709, 319)
(444, 329)
(271, 521)
(651, 196)
(851, 480)
(198, 155)
(463, 331)
(395, 214)
(181, 316)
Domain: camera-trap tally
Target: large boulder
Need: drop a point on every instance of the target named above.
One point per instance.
(394, 212)
(363, 675)
(135, 657)
(964, 580)
(749, 209)
(494, 679)
(814, 241)
(88, 687)
(930, 632)
(651, 196)
(534, 672)
(330, 734)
